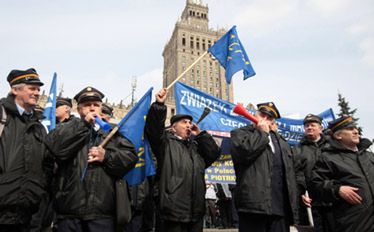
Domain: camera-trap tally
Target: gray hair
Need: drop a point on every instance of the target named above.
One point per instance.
(16, 87)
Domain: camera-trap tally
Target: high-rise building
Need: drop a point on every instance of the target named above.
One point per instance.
(190, 39)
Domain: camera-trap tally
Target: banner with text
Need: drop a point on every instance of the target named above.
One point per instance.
(222, 120)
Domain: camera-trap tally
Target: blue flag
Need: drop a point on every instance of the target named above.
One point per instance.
(132, 127)
(230, 53)
(50, 108)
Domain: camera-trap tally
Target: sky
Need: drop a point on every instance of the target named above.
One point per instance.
(304, 52)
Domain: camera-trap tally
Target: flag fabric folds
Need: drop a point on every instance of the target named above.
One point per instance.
(49, 113)
(230, 53)
(132, 127)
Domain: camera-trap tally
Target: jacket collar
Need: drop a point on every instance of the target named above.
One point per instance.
(306, 141)
(11, 107)
(175, 137)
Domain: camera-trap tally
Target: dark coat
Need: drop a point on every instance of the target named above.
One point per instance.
(339, 166)
(87, 191)
(181, 167)
(306, 154)
(25, 169)
(253, 162)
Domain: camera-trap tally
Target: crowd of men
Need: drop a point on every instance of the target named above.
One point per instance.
(70, 180)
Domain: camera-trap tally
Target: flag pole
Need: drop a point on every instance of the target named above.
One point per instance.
(187, 69)
(110, 135)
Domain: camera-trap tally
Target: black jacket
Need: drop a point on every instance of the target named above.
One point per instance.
(339, 166)
(87, 191)
(180, 168)
(306, 155)
(25, 169)
(253, 163)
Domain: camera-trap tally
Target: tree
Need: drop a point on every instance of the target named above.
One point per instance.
(346, 110)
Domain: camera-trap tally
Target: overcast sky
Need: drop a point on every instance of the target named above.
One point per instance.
(304, 52)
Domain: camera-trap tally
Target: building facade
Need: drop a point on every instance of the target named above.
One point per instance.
(190, 39)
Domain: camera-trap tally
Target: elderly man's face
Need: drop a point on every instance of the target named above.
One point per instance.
(348, 136)
(182, 128)
(89, 107)
(313, 130)
(27, 96)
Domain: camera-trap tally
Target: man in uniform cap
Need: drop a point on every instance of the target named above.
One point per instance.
(24, 165)
(86, 175)
(265, 193)
(106, 112)
(306, 153)
(344, 175)
(63, 109)
(183, 152)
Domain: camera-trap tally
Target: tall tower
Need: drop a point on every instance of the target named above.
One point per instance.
(191, 38)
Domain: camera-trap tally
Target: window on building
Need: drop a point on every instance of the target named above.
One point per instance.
(183, 41)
